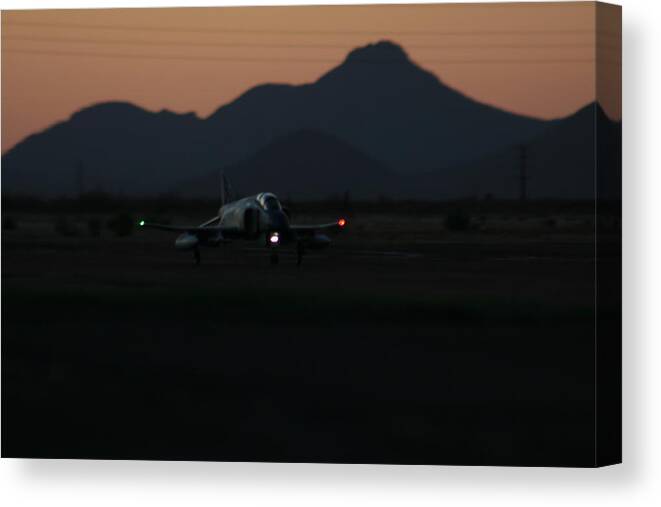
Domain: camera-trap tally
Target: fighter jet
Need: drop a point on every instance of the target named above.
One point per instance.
(259, 218)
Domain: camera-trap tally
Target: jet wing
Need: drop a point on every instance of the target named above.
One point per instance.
(199, 230)
(182, 228)
(310, 230)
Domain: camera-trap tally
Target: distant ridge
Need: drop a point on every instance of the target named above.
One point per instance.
(392, 114)
(306, 164)
(311, 164)
(561, 162)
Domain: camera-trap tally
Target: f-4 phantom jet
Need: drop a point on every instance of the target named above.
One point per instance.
(259, 218)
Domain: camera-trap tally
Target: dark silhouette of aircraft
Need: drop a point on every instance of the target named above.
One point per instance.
(259, 218)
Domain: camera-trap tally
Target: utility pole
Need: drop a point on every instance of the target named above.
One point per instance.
(523, 172)
(80, 178)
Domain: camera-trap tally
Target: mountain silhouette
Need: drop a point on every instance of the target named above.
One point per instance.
(383, 113)
(560, 162)
(311, 164)
(122, 147)
(383, 104)
(305, 164)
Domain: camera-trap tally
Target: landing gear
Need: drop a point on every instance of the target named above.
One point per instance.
(300, 250)
(196, 256)
(274, 258)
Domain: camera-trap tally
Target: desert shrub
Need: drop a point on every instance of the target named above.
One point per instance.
(122, 224)
(457, 220)
(9, 224)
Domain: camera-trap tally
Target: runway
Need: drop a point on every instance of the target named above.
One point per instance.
(384, 348)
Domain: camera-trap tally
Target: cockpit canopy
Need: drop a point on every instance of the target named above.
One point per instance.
(268, 201)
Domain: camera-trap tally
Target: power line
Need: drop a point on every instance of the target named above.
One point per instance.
(143, 28)
(291, 46)
(295, 60)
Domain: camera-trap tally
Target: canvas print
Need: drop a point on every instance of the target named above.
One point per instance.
(343, 234)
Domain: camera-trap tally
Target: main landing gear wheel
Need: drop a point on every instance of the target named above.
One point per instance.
(196, 256)
(274, 258)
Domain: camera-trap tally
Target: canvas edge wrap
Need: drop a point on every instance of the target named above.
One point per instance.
(608, 242)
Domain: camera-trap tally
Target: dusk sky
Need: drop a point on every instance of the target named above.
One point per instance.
(535, 59)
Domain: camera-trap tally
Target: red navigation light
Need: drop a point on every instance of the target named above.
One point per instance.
(341, 222)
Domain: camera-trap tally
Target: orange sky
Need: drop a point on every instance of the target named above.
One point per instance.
(530, 58)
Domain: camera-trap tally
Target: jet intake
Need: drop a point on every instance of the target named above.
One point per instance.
(186, 241)
(251, 222)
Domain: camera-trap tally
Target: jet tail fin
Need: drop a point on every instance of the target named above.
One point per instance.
(222, 189)
(225, 189)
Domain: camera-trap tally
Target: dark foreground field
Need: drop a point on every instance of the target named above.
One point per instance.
(403, 343)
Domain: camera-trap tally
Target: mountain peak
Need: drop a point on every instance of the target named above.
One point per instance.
(382, 51)
(108, 108)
